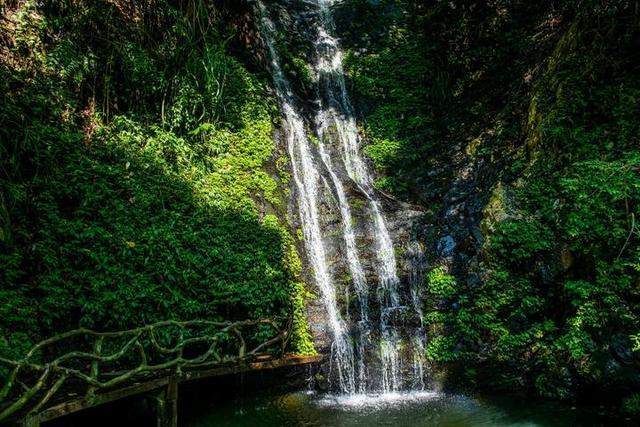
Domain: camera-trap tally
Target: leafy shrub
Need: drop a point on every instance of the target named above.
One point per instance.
(440, 283)
(137, 178)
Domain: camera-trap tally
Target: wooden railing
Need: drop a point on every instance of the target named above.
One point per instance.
(87, 363)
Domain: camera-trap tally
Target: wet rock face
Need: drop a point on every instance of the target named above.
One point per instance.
(406, 227)
(446, 246)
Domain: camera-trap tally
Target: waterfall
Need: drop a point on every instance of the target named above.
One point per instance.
(307, 179)
(353, 261)
(317, 164)
(336, 111)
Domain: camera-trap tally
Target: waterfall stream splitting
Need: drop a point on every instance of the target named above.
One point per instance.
(333, 162)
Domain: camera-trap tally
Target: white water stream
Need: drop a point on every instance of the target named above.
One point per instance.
(335, 125)
(337, 113)
(307, 181)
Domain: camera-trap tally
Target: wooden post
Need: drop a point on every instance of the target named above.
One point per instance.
(160, 400)
(172, 401)
(30, 421)
(97, 349)
(167, 404)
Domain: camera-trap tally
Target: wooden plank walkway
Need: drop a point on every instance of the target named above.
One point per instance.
(166, 389)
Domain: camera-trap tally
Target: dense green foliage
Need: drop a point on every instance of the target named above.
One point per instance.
(543, 101)
(140, 180)
(136, 176)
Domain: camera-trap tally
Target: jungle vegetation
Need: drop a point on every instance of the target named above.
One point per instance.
(140, 179)
(538, 102)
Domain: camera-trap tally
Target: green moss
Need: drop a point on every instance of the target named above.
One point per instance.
(302, 342)
(303, 72)
(495, 210)
(631, 405)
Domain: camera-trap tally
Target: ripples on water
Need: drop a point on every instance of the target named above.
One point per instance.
(391, 409)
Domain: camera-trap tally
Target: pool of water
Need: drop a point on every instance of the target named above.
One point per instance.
(399, 410)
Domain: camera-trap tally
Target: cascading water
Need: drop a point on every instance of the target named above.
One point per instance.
(353, 261)
(335, 125)
(336, 112)
(307, 181)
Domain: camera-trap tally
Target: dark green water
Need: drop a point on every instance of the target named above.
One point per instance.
(416, 409)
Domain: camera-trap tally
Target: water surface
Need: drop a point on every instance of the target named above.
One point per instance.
(398, 410)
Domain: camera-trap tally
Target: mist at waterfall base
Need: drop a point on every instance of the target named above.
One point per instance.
(393, 409)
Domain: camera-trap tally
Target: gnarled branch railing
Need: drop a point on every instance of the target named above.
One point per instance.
(86, 361)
